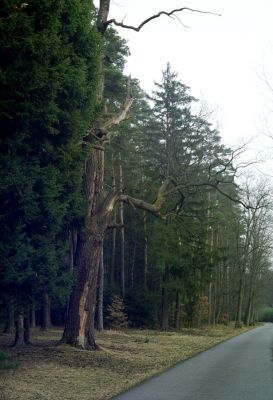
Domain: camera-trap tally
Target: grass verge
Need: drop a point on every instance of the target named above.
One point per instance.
(48, 370)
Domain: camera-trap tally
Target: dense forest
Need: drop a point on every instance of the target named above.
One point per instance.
(118, 208)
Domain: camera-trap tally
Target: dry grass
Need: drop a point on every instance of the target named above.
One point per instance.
(49, 371)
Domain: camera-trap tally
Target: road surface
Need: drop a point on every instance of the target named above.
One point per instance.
(238, 369)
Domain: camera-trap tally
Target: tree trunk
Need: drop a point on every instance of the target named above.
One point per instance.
(238, 321)
(46, 311)
(100, 299)
(210, 302)
(249, 308)
(19, 331)
(72, 248)
(10, 324)
(133, 265)
(122, 231)
(114, 230)
(79, 327)
(113, 257)
(165, 310)
(33, 317)
(81, 303)
(145, 249)
(27, 328)
(177, 311)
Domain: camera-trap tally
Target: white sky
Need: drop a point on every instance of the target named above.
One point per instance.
(222, 59)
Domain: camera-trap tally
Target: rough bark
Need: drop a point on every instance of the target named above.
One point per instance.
(79, 327)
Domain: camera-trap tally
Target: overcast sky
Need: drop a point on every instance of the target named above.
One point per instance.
(222, 59)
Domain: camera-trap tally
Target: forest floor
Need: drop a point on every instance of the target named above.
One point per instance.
(48, 370)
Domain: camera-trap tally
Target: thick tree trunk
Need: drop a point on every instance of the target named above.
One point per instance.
(79, 327)
(80, 317)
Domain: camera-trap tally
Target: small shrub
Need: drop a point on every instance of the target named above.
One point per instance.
(223, 319)
(117, 318)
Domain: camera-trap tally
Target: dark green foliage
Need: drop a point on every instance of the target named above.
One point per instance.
(48, 77)
(167, 138)
(141, 307)
(267, 315)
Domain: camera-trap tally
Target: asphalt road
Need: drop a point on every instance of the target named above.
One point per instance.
(238, 369)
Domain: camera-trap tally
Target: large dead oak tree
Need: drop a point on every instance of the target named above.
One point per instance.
(79, 328)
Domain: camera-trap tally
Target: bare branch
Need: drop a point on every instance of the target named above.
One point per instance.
(116, 119)
(101, 128)
(153, 208)
(146, 21)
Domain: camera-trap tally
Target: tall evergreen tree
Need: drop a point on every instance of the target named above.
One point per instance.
(48, 77)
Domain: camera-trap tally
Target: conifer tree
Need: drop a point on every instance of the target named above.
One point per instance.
(48, 72)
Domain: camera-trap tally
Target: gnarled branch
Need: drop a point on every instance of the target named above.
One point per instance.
(101, 129)
(153, 208)
(146, 21)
